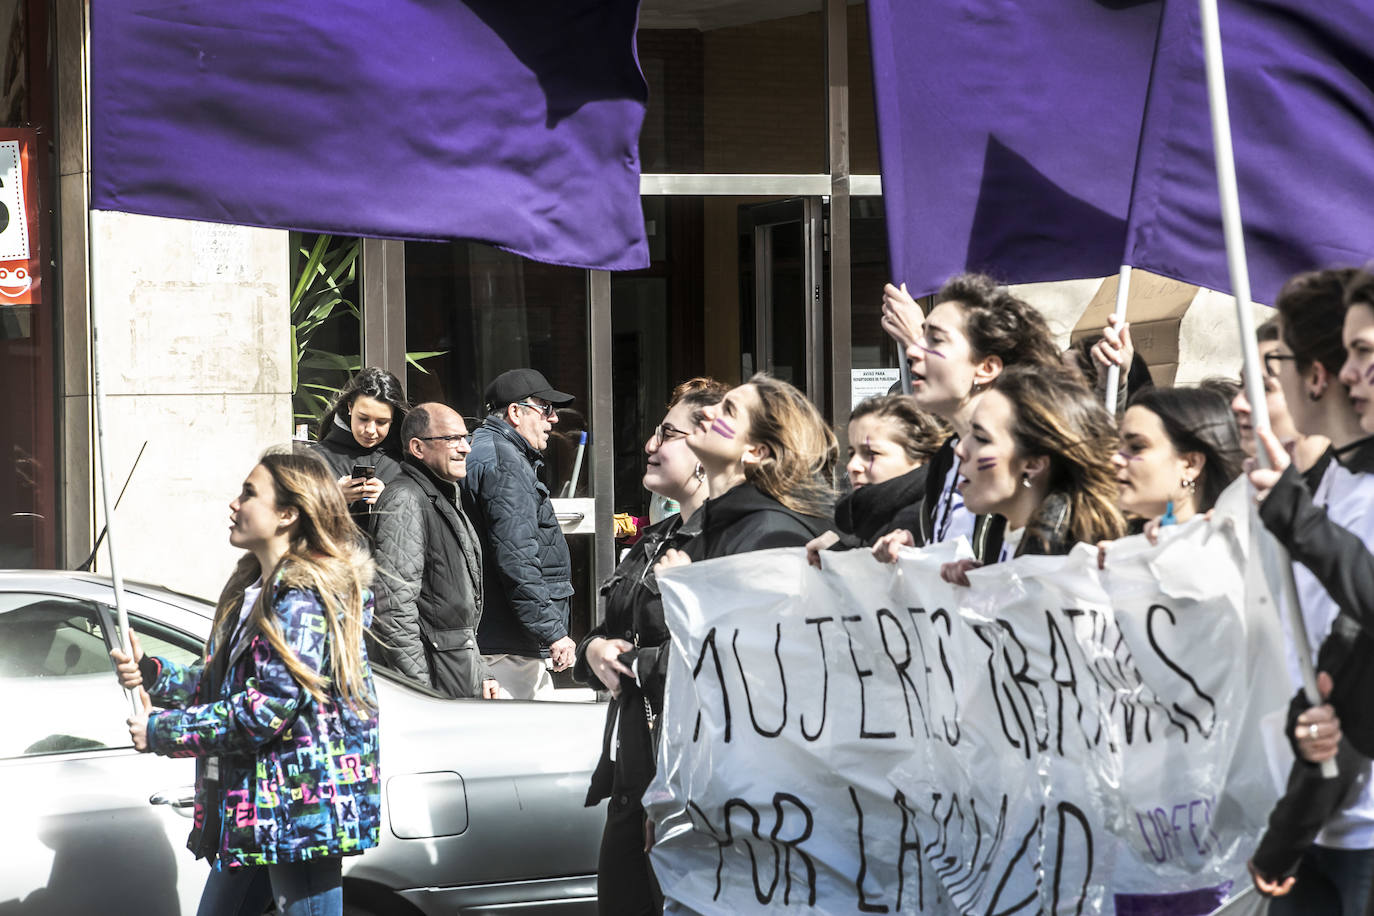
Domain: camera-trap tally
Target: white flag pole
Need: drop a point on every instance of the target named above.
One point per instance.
(1276, 558)
(98, 390)
(1123, 294)
(93, 262)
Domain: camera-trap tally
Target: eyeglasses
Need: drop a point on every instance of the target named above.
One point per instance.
(451, 440)
(548, 410)
(1272, 358)
(667, 432)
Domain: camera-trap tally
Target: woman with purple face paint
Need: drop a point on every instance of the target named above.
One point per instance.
(627, 654)
(890, 443)
(1038, 454)
(976, 330)
(768, 457)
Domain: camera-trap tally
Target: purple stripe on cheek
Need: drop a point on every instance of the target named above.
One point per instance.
(931, 352)
(722, 429)
(1369, 374)
(871, 456)
(987, 464)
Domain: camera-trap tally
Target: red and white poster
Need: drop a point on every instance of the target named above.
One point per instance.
(20, 251)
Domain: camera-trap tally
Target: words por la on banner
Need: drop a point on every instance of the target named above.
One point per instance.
(1053, 739)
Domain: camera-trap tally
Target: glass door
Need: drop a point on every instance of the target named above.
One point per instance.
(781, 274)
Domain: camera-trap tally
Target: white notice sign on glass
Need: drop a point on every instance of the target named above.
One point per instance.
(868, 383)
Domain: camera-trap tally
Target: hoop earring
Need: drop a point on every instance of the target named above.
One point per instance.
(700, 472)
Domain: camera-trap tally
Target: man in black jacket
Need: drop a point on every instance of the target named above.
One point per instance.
(527, 570)
(429, 562)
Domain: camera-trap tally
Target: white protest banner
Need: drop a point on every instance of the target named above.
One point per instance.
(869, 738)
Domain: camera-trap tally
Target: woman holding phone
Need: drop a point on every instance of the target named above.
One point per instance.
(359, 437)
(281, 717)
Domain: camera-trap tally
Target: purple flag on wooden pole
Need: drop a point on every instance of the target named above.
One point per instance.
(506, 123)
(1300, 80)
(1008, 133)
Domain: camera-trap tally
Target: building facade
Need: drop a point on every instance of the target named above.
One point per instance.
(763, 205)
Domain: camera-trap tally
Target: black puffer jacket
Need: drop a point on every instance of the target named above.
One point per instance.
(341, 451)
(428, 585)
(527, 572)
(634, 613)
(744, 519)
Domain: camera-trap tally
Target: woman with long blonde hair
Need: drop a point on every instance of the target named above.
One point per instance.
(282, 715)
(769, 459)
(1039, 453)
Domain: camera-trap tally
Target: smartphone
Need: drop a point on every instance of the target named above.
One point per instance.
(363, 471)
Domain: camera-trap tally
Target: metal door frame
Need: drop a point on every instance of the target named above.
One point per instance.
(809, 212)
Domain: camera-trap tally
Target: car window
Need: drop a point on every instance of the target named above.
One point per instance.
(57, 681)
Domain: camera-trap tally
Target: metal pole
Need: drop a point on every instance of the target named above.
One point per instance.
(102, 474)
(1275, 557)
(1123, 293)
(97, 384)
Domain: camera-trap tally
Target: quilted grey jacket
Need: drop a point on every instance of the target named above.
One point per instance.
(428, 585)
(527, 572)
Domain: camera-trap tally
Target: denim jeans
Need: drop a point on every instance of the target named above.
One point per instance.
(1330, 881)
(310, 888)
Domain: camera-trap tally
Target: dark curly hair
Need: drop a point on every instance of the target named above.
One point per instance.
(998, 323)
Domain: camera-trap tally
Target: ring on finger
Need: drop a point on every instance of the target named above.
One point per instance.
(1312, 731)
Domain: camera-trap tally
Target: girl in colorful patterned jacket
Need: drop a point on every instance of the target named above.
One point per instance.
(281, 716)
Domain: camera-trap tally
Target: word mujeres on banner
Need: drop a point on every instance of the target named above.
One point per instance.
(1052, 739)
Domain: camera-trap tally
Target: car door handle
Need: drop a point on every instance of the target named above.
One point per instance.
(185, 797)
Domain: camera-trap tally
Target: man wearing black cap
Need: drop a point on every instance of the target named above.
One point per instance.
(527, 573)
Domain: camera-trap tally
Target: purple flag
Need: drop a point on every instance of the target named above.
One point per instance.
(1008, 133)
(1300, 84)
(507, 123)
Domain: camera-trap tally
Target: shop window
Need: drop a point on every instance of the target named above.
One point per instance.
(481, 311)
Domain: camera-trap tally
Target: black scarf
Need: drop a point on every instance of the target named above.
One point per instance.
(869, 512)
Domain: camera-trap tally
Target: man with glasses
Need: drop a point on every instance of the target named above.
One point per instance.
(527, 570)
(429, 562)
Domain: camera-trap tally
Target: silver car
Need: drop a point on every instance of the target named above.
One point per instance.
(481, 800)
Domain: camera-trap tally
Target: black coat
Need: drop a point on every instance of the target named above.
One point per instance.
(744, 519)
(634, 613)
(866, 514)
(527, 572)
(428, 584)
(340, 451)
(1345, 568)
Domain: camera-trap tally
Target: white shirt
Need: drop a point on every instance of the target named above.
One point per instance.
(1011, 541)
(950, 519)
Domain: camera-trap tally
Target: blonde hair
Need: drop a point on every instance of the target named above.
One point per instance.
(1057, 416)
(328, 556)
(799, 468)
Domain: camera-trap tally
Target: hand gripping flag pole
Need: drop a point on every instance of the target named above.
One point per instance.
(1275, 558)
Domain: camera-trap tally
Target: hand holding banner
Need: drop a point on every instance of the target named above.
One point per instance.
(1052, 739)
